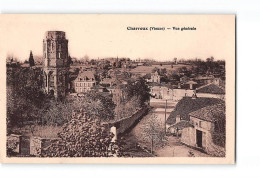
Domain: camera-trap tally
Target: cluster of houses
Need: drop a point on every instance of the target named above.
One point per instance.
(199, 116)
(200, 87)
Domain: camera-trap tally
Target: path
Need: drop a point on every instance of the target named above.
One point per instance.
(174, 147)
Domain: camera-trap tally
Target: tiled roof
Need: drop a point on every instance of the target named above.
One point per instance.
(210, 113)
(88, 74)
(182, 124)
(211, 88)
(187, 105)
(108, 80)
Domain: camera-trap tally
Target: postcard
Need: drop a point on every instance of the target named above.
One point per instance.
(117, 88)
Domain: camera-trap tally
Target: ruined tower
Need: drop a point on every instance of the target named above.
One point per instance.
(56, 65)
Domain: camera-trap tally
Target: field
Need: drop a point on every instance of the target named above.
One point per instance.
(148, 69)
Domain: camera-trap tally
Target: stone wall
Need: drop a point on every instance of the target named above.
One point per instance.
(14, 143)
(188, 136)
(125, 124)
(37, 144)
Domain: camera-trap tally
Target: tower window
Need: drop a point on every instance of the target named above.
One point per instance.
(51, 80)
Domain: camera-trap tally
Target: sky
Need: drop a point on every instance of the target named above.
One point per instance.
(100, 36)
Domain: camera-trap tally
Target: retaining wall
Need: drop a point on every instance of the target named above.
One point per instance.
(126, 124)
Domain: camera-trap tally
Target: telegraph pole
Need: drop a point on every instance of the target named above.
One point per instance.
(165, 116)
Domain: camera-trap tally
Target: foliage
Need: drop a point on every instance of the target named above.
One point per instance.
(127, 108)
(98, 106)
(131, 97)
(173, 77)
(139, 89)
(83, 137)
(24, 95)
(56, 113)
(153, 131)
(219, 133)
(31, 60)
(28, 104)
(209, 67)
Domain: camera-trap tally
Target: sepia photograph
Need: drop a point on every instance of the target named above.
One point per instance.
(118, 88)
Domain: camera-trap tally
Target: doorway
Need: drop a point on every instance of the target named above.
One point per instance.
(199, 138)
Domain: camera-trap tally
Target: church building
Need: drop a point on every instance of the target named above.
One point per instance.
(56, 64)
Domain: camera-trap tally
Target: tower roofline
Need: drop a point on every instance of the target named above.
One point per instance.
(55, 34)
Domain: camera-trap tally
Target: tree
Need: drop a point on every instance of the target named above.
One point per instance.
(155, 69)
(31, 60)
(127, 108)
(153, 131)
(211, 59)
(139, 89)
(97, 106)
(24, 95)
(84, 59)
(11, 58)
(83, 137)
(163, 71)
(57, 113)
(93, 104)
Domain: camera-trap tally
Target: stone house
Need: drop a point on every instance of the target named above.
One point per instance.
(187, 105)
(155, 78)
(108, 82)
(207, 130)
(162, 91)
(179, 93)
(84, 82)
(211, 90)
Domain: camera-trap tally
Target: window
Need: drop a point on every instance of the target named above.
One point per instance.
(51, 80)
(200, 123)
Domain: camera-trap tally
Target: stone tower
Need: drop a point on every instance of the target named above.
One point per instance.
(56, 64)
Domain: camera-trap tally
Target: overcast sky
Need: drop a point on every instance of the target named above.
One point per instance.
(107, 36)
